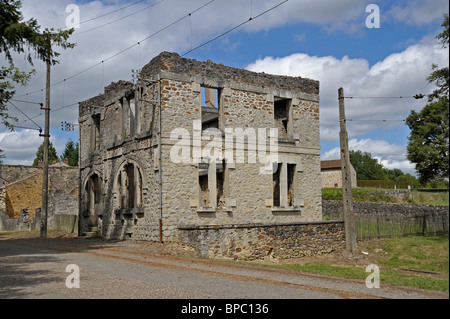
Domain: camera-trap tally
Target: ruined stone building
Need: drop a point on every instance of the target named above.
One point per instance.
(146, 166)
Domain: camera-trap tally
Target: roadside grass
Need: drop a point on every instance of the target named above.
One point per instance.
(418, 262)
(418, 253)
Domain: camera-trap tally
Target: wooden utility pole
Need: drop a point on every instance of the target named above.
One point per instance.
(44, 207)
(349, 217)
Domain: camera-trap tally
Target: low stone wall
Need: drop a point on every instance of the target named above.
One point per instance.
(25, 222)
(254, 241)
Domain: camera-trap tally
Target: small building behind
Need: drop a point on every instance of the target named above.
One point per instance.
(331, 174)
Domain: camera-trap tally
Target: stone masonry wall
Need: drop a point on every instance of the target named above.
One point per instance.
(252, 241)
(26, 194)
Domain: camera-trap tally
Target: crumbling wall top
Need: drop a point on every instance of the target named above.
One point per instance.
(86, 105)
(172, 62)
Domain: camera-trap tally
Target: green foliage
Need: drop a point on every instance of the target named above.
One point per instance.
(429, 140)
(23, 37)
(52, 157)
(372, 195)
(16, 35)
(386, 184)
(9, 76)
(444, 35)
(71, 153)
(366, 167)
(430, 198)
(359, 195)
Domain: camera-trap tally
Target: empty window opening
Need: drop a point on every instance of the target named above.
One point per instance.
(96, 132)
(119, 192)
(290, 184)
(281, 116)
(132, 121)
(204, 190)
(129, 187)
(119, 120)
(276, 185)
(213, 187)
(92, 198)
(220, 178)
(210, 98)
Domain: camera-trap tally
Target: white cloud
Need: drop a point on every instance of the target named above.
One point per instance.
(417, 12)
(399, 74)
(389, 155)
(20, 146)
(215, 18)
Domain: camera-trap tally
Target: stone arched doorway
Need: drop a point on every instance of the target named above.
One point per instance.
(93, 200)
(129, 186)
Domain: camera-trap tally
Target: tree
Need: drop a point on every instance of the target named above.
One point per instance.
(17, 35)
(9, 76)
(71, 153)
(428, 145)
(52, 156)
(367, 168)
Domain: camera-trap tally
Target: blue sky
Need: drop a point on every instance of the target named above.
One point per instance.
(324, 40)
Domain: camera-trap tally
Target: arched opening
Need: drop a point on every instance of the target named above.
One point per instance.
(129, 187)
(92, 199)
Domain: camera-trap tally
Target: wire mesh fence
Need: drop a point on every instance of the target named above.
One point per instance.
(381, 225)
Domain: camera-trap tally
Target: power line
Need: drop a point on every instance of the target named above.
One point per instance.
(118, 19)
(29, 128)
(53, 110)
(417, 97)
(384, 154)
(25, 115)
(235, 27)
(30, 102)
(376, 120)
(114, 11)
(124, 50)
(153, 34)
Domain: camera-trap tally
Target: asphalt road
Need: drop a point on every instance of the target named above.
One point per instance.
(35, 268)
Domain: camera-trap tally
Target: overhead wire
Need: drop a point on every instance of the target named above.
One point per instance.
(24, 114)
(235, 27)
(123, 50)
(375, 120)
(118, 19)
(146, 38)
(114, 11)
